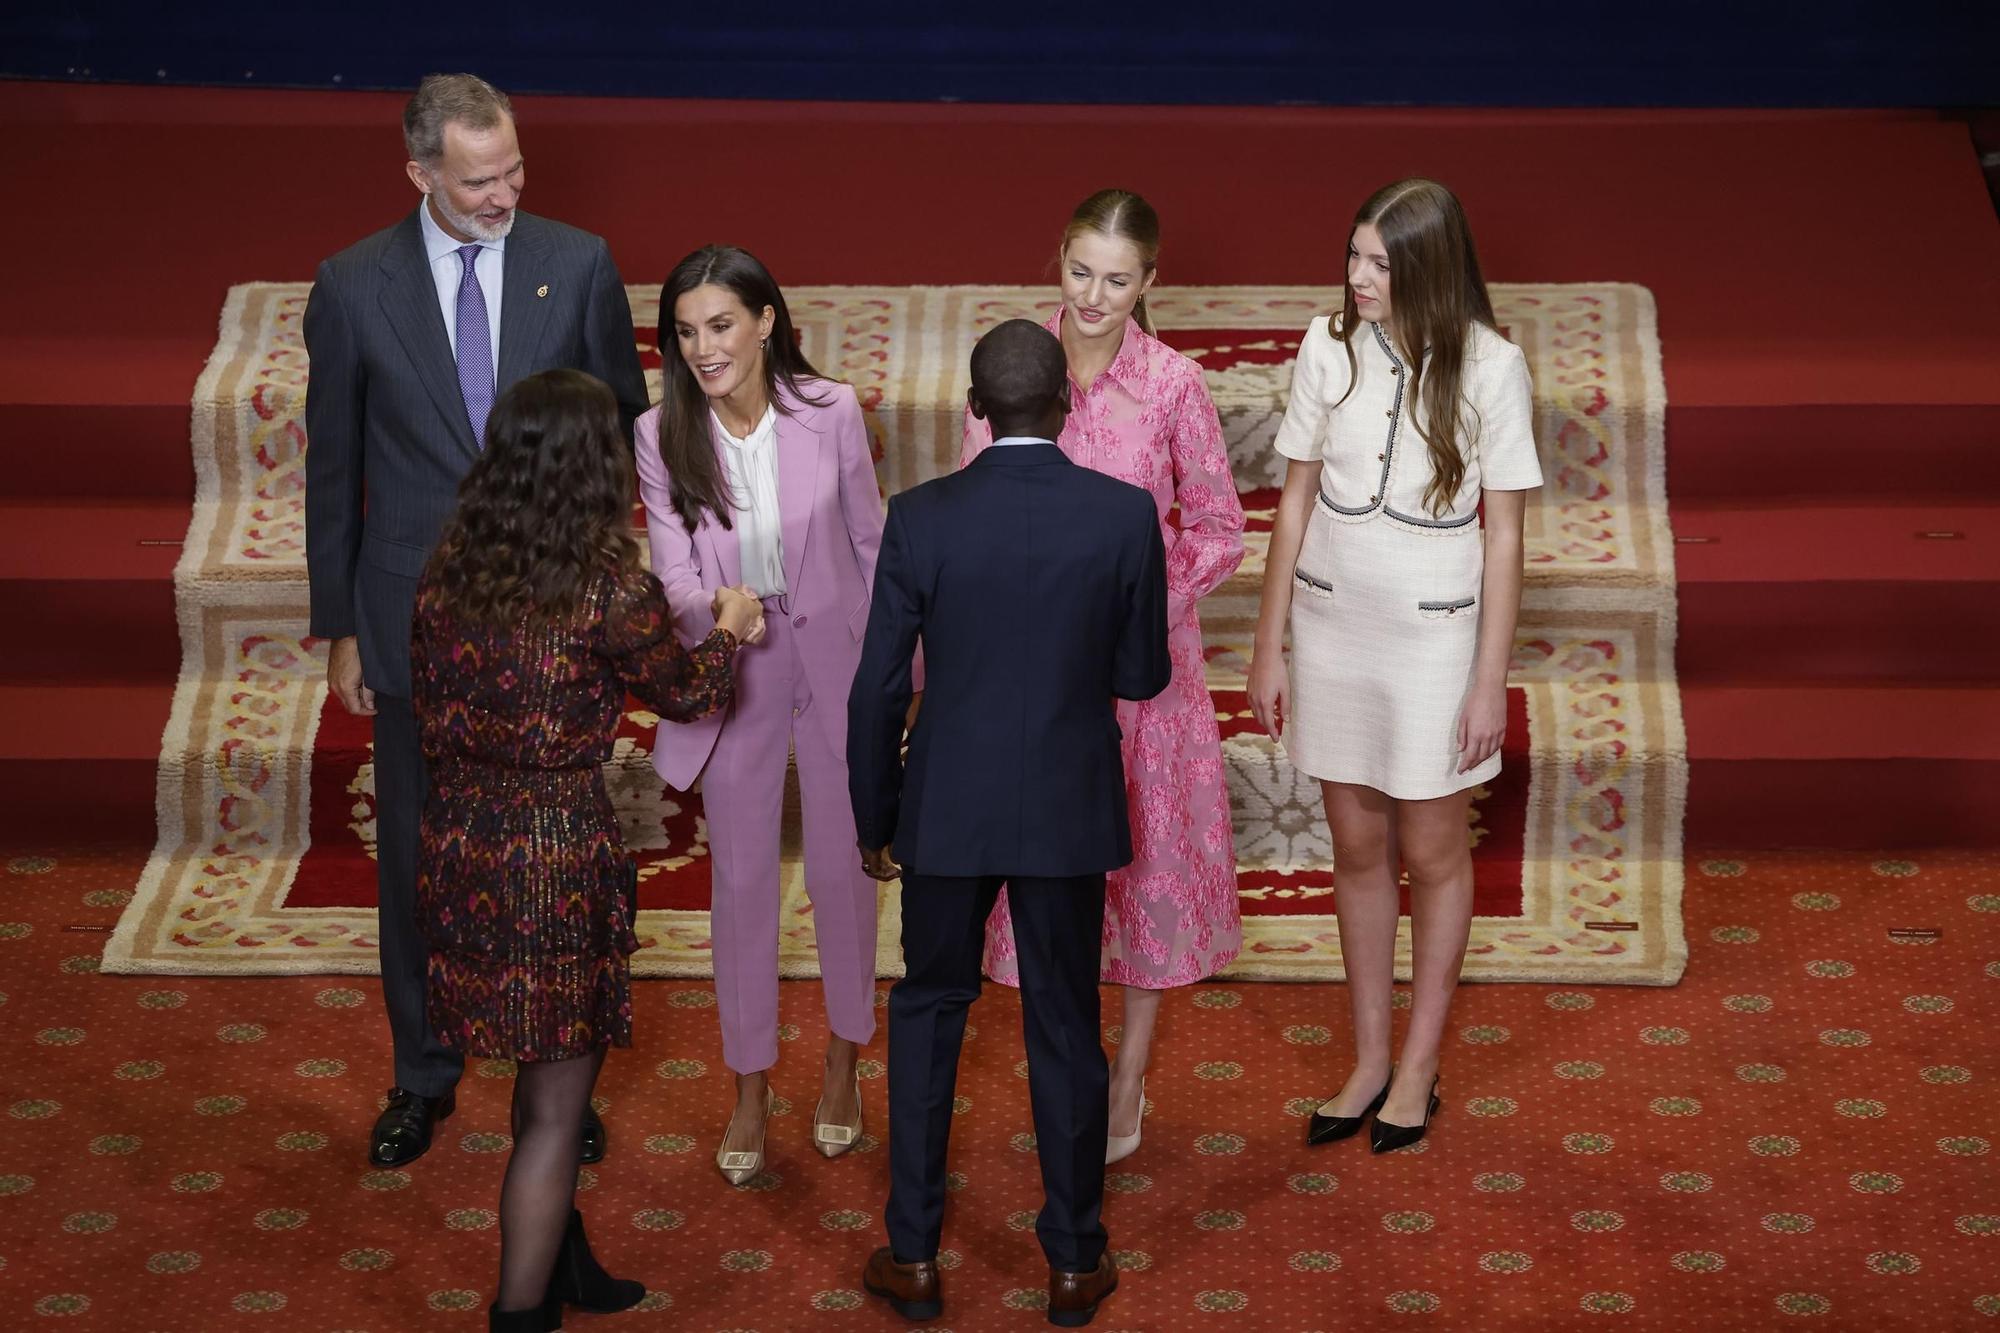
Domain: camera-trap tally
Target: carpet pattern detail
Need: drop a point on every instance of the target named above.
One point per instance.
(265, 795)
(1802, 1130)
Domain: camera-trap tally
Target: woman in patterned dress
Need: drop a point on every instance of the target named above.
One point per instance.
(1410, 412)
(533, 619)
(1140, 411)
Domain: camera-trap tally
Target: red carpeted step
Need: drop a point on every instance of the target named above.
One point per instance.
(99, 415)
(80, 760)
(1856, 453)
(87, 592)
(1868, 767)
(1747, 340)
(1831, 593)
(78, 452)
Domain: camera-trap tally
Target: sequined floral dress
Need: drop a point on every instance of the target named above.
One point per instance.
(1171, 917)
(521, 872)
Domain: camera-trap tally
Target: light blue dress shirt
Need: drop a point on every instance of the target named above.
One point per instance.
(447, 269)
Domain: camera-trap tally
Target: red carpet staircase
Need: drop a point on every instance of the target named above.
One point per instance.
(1840, 558)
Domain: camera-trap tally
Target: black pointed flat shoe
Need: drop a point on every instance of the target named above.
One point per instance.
(1386, 1137)
(1333, 1128)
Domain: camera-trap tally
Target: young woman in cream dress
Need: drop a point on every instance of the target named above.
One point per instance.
(1410, 414)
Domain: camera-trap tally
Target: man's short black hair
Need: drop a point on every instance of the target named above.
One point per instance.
(1018, 371)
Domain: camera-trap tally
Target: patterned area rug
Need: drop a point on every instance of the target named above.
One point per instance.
(1800, 1134)
(264, 860)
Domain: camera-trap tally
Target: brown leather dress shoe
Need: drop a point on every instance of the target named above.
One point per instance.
(1074, 1297)
(910, 1289)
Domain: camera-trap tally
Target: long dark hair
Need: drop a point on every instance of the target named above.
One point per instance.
(547, 508)
(1437, 294)
(687, 446)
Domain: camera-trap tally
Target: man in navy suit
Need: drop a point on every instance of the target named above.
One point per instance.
(1038, 589)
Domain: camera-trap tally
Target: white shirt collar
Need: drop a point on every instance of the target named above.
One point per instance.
(762, 433)
(438, 243)
(1020, 439)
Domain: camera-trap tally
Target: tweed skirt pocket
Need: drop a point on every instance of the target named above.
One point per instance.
(1384, 625)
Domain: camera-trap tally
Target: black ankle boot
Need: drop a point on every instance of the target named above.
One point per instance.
(581, 1281)
(534, 1319)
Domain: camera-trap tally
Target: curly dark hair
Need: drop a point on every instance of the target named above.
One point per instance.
(547, 509)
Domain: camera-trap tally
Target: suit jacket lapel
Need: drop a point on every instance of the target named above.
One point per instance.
(723, 543)
(526, 289)
(798, 482)
(726, 551)
(409, 301)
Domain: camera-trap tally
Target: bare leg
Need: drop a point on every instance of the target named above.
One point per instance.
(746, 1122)
(1365, 871)
(540, 1185)
(1128, 1067)
(1438, 852)
(838, 1104)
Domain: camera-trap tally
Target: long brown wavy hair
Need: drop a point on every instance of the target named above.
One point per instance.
(1123, 216)
(687, 445)
(1436, 295)
(547, 508)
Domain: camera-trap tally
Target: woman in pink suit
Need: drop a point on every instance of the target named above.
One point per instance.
(756, 472)
(1140, 411)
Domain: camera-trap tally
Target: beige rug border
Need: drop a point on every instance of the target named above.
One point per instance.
(176, 785)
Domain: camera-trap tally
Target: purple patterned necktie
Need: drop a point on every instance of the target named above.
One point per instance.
(475, 346)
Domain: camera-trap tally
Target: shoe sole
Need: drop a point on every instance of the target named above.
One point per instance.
(1332, 1136)
(604, 1309)
(909, 1309)
(918, 1311)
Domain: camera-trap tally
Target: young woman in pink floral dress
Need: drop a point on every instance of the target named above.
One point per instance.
(1140, 412)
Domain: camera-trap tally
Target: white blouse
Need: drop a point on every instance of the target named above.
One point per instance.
(1372, 461)
(753, 479)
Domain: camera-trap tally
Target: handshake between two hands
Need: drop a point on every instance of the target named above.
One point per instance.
(739, 611)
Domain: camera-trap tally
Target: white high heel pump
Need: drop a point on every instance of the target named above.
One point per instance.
(1117, 1147)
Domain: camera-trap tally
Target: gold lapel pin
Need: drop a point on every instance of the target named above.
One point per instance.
(542, 290)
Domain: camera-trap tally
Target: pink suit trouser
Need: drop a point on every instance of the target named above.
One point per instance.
(743, 790)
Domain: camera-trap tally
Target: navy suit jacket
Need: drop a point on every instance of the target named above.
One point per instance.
(387, 435)
(1039, 591)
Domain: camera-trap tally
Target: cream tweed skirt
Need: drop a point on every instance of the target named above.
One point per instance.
(1385, 620)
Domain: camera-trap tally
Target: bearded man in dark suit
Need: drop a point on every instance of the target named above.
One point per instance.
(412, 334)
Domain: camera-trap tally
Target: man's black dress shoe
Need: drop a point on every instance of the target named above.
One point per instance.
(1329, 1128)
(403, 1130)
(1386, 1137)
(595, 1140)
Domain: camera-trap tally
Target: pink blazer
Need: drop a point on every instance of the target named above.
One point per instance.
(830, 524)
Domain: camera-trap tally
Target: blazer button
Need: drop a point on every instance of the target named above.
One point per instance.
(1381, 458)
(1388, 411)
(1374, 499)
(800, 622)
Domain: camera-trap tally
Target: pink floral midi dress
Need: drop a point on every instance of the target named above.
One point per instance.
(1171, 917)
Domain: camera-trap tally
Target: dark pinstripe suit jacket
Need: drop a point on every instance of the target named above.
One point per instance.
(386, 429)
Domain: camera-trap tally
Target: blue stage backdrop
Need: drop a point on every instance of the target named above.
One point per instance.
(1332, 52)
